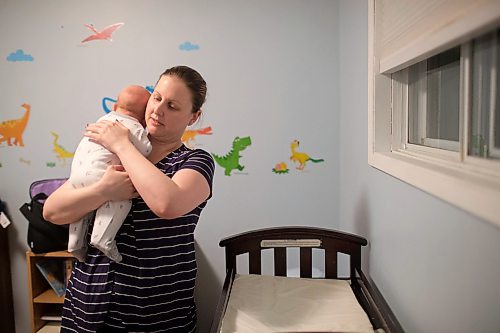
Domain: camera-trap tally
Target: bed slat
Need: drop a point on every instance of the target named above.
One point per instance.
(331, 264)
(280, 261)
(254, 265)
(305, 262)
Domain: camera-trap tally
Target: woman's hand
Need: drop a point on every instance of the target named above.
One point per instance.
(68, 204)
(115, 184)
(112, 135)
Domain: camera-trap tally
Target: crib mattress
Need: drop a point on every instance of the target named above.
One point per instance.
(260, 303)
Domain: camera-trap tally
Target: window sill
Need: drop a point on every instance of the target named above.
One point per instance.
(475, 194)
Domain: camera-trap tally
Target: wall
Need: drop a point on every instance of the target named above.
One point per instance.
(272, 74)
(436, 265)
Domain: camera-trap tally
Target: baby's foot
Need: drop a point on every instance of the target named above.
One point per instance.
(110, 250)
(113, 254)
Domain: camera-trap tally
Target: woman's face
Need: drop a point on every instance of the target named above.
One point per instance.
(168, 111)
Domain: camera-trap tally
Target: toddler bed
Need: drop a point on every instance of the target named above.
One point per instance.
(261, 303)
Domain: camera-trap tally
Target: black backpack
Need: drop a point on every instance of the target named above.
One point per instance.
(43, 236)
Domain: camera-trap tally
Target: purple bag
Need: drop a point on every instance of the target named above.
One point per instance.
(43, 236)
(46, 186)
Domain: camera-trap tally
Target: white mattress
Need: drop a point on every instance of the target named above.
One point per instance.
(262, 304)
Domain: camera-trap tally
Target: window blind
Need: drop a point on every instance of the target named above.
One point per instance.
(408, 31)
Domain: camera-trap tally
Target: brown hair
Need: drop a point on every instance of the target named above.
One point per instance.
(193, 80)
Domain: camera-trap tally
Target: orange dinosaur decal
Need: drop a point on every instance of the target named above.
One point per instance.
(189, 135)
(14, 129)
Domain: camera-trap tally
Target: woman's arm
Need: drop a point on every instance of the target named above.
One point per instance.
(67, 204)
(166, 197)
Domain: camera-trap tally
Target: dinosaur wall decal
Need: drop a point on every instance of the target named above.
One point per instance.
(61, 153)
(301, 158)
(231, 160)
(13, 129)
(189, 135)
(104, 34)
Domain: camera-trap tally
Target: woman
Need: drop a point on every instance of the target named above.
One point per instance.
(152, 289)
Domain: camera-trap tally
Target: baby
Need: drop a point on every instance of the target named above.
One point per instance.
(89, 164)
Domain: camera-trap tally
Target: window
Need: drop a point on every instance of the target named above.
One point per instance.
(434, 99)
(431, 99)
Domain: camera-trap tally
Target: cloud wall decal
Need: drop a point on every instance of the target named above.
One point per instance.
(188, 46)
(19, 55)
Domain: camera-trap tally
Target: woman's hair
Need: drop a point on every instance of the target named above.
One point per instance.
(193, 80)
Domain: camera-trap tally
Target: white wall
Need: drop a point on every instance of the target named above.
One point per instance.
(272, 74)
(436, 265)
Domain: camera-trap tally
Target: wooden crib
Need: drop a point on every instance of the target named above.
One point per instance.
(257, 303)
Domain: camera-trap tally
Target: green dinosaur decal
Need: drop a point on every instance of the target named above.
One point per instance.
(231, 160)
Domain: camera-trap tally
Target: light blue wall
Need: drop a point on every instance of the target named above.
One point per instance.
(277, 71)
(272, 74)
(436, 265)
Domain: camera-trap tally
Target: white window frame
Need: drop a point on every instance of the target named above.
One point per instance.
(470, 183)
(494, 151)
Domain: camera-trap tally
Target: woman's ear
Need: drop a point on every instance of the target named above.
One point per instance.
(195, 117)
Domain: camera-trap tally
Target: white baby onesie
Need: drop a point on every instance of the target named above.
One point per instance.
(89, 164)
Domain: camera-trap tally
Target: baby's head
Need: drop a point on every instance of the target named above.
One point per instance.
(132, 101)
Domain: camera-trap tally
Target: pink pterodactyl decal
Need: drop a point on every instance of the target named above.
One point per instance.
(104, 34)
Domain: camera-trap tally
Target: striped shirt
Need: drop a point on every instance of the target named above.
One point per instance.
(152, 288)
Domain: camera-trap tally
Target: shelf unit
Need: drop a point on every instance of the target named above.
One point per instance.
(42, 298)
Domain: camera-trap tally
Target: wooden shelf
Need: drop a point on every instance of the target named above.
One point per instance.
(49, 296)
(58, 254)
(42, 298)
(50, 327)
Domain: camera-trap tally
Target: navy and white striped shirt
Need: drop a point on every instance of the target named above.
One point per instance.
(152, 289)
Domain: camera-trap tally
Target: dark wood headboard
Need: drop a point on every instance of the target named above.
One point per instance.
(331, 241)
